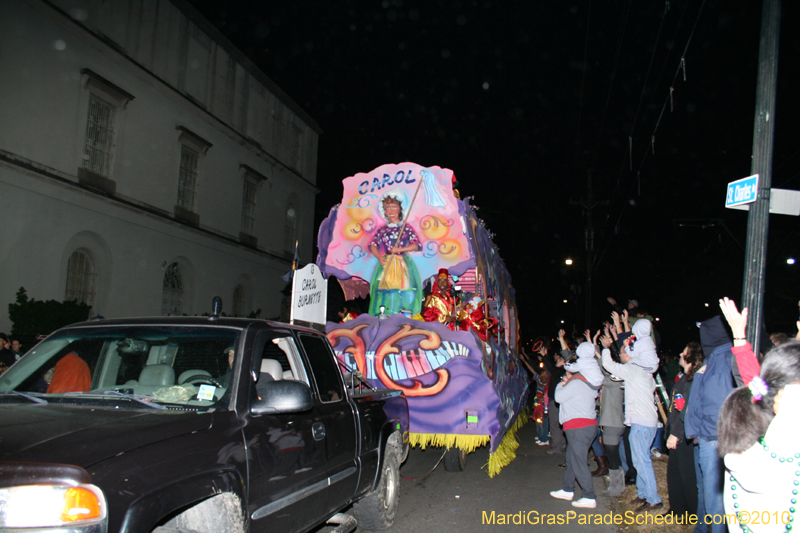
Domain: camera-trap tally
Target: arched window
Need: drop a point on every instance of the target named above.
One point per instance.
(290, 231)
(172, 294)
(81, 276)
(239, 302)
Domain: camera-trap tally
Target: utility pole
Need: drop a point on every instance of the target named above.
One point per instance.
(763, 134)
(588, 204)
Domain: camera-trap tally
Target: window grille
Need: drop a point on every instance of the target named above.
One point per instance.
(80, 278)
(99, 145)
(296, 147)
(249, 208)
(187, 181)
(289, 231)
(172, 294)
(239, 302)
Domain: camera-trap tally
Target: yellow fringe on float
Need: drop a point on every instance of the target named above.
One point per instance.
(507, 451)
(502, 456)
(468, 443)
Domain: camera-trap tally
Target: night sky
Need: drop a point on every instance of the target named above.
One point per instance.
(523, 99)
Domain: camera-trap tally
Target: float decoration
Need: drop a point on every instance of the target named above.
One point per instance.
(394, 229)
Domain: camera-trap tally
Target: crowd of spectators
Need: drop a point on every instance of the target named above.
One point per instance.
(10, 351)
(723, 413)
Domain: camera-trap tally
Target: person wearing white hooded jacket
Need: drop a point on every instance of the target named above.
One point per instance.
(641, 416)
(586, 365)
(643, 351)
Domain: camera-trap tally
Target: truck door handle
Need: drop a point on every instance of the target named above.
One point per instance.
(318, 430)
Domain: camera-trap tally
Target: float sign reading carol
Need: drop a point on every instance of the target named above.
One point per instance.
(309, 295)
(743, 191)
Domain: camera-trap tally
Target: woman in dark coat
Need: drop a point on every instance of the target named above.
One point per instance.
(681, 477)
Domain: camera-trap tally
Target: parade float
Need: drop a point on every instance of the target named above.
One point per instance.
(462, 377)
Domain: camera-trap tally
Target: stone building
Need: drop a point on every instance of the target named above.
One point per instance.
(146, 165)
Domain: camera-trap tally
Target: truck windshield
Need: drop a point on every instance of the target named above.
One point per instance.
(184, 365)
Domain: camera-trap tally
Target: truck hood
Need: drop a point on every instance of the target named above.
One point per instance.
(83, 435)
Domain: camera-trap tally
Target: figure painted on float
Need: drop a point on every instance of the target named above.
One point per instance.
(440, 305)
(395, 283)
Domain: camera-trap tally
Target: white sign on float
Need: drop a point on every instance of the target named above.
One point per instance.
(309, 295)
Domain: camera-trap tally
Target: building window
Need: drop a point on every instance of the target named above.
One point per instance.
(297, 146)
(98, 148)
(172, 292)
(81, 276)
(290, 231)
(239, 302)
(187, 180)
(249, 207)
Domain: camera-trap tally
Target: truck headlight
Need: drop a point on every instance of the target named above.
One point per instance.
(50, 505)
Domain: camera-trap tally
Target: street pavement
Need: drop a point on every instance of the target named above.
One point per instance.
(445, 502)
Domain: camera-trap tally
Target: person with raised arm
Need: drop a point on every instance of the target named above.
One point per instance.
(612, 421)
(642, 417)
(555, 366)
(758, 436)
(712, 384)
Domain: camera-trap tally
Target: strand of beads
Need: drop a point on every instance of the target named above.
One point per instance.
(795, 487)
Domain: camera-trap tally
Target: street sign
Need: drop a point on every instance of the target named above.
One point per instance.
(781, 202)
(309, 295)
(743, 191)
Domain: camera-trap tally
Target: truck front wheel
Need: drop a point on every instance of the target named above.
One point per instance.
(376, 510)
(219, 513)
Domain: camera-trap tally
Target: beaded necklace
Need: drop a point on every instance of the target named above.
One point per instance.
(795, 482)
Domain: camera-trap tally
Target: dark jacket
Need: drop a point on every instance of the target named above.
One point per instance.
(712, 383)
(677, 417)
(556, 373)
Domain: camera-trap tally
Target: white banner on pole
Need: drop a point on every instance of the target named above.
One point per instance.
(309, 295)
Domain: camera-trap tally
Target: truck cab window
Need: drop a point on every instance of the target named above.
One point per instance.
(326, 373)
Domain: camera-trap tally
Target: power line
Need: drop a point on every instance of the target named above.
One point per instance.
(583, 81)
(634, 182)
(625, 12)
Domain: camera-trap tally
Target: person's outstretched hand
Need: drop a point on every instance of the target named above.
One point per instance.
(615, 318)
(625, 320)
(736, 320)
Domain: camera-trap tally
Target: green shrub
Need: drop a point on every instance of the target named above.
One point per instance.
(31, 317)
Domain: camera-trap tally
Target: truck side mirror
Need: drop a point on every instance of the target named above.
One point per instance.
(285, 396)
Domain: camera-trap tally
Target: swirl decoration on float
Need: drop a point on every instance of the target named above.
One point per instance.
(368, 225)
(355, 254)
(433, 249)
(430, 342)
(357, 350)
(361, 202)
(429, 222)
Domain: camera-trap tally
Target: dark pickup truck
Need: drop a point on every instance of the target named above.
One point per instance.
(202, 425)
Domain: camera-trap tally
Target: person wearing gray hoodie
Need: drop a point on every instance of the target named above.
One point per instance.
(577, 415)
(642, 417)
